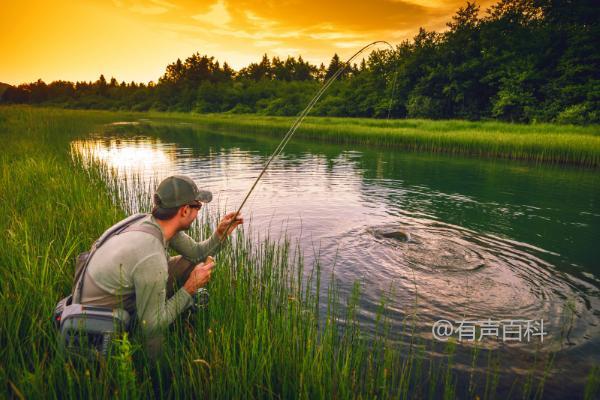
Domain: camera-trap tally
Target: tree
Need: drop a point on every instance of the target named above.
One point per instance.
(334, 65)
(101, 86)
(173, 74)
(282, 71)
(514, 101)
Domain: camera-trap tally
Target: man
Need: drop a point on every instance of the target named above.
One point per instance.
(132, 270)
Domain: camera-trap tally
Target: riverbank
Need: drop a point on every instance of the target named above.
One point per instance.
(543, 143)
(260, 337)
(546, 143)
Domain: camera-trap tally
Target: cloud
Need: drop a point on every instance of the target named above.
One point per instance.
(149, 10)
(218, 15)
(356, 16)
(164, 3)
(332, 23)
(351, 45)
(267, 43)
(285, 51)
(333, 35)
(433, 4)
(241, 30)
(258, 22)
(149, 7)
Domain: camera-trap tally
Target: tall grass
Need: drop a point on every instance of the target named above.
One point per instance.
(262, 335)
(540, 143)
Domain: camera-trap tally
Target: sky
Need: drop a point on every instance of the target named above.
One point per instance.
(134, 40)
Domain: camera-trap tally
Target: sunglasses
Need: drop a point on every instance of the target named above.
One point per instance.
(196, 206)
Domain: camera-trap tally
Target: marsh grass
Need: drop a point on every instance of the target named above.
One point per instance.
(262, 336)
(548, 143)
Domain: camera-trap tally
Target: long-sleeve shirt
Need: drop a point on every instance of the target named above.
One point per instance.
(130, 270)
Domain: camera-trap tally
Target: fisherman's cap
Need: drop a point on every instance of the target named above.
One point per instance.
(179, 190)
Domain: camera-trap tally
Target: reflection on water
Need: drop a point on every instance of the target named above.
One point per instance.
(465, 238)
(130, 157)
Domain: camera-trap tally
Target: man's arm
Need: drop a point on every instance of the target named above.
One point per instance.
(195, 251)
(198, 251)
(154, 311)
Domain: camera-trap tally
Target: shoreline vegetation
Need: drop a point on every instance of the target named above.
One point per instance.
(544, 143)
(262, 335)
(538, 143)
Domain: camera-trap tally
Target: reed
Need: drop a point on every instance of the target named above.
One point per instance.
(545, 143)
(265, 333)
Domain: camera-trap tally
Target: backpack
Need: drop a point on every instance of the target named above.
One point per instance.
(89, 330)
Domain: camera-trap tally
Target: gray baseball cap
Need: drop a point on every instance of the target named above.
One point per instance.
(178, 190)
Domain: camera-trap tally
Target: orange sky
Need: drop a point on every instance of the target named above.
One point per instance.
(135, 40)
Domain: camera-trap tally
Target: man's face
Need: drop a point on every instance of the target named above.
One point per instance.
(190, 213)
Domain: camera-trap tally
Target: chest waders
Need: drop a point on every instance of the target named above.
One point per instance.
(88, 330)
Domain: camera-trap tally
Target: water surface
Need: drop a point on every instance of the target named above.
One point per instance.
(445, 237)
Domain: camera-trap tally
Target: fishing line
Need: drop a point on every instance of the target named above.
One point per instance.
(287, 137)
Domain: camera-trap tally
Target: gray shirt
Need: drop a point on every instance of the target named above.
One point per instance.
(130, 270)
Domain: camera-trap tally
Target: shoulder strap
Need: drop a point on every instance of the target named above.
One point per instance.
(116, 229)
(151, 230)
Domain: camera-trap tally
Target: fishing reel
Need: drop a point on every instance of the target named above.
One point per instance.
(200, 299)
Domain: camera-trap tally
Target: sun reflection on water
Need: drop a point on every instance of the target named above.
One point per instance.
(130, 157)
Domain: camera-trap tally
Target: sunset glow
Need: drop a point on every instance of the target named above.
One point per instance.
(136, 40)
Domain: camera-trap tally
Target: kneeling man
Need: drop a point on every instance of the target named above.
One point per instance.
(132, 270)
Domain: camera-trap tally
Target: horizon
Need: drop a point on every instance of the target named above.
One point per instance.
(146, 36)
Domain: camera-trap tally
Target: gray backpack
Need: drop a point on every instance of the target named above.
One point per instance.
(89, 330)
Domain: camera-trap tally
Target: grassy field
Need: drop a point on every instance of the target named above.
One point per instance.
(261, 337)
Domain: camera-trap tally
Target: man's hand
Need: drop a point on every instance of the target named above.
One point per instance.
(199, 276)
(231, 221)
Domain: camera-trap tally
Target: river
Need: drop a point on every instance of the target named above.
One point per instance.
(444, 237)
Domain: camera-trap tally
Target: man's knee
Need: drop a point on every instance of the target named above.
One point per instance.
(179, 271)
(173, 261)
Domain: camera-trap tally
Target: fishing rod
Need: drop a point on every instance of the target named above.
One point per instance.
(287, 137)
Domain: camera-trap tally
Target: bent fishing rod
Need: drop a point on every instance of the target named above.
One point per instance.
(286, 138)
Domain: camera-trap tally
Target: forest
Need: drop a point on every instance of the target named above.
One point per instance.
(522, 61)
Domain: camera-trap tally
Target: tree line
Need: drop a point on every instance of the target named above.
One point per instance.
(519, 61)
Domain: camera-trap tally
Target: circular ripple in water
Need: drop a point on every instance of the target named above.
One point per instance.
(457, 273)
